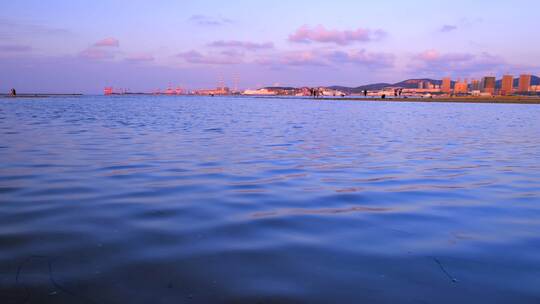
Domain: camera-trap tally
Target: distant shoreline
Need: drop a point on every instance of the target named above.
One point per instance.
(491, 100)
(31, 95)
(468, 99)
(488, 100)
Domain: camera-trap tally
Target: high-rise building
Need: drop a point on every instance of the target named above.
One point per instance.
(461, 87)
(475, 85)
(425, 85)
(488, 85)
(446, 86)
(507, 87)
(236, 82)
(524, 83)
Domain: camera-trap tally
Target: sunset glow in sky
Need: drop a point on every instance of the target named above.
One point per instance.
(83, 46)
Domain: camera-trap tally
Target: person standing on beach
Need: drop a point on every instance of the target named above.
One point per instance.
(13, 92)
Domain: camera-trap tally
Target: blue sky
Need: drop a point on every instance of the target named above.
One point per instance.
(82, 46)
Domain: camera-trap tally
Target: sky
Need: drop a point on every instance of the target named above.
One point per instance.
(82, 46)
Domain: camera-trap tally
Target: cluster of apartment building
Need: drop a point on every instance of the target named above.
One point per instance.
(487, 86)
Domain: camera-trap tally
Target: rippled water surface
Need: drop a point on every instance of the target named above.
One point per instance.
(236, 200)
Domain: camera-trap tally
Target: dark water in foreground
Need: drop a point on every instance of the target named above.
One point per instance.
(216, 200)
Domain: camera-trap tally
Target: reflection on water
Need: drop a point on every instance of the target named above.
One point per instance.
(320, 211)
(233, 200)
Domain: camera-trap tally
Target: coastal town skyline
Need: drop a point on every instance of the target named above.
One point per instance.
(194, 45)
(487, 86)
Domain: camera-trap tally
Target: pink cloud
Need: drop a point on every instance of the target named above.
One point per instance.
(304, 58)
(96, 54)
(363, 58)
(101, 50)
(436, 56)
(428, 55)
(196, 57)
(295, 58)
(306, 34)
(242, 45)
(433, 62)
(331, 58)
(107, 42)
(232, 53)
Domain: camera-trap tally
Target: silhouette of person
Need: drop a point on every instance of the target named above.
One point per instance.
(13, 92)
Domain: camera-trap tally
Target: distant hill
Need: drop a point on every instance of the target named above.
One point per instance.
(409, 84)
(369, 87)
(413, 83)
(279, 88)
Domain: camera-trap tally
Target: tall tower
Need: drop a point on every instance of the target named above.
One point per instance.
(446, 86)
(221, 83)
(475, 85)
(236, 81)
(461, 87)
(507, 87)
(525, 83)
(488, 85)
